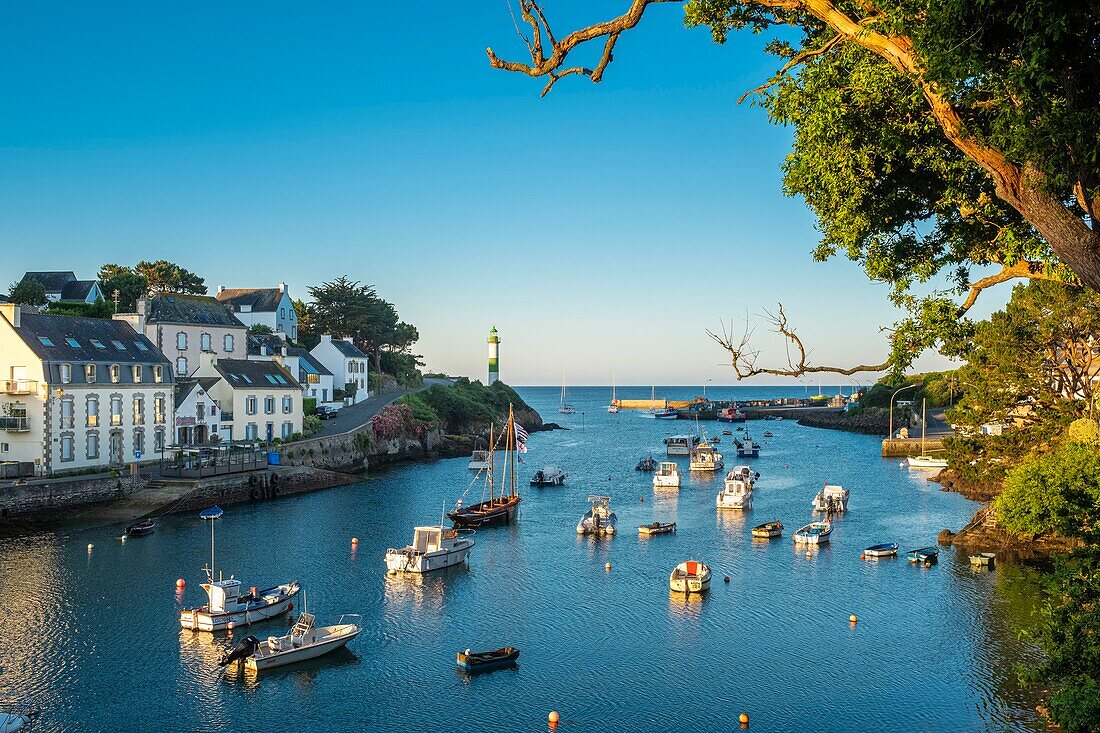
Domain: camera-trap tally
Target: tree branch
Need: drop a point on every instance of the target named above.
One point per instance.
(1021, 269)
(800, 58)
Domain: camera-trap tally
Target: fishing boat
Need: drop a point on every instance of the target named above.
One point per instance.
(690, 576)
(548, 476)
(565, 408)
(983, 559)
(140, 529)
(11, 722)
(924, 460)
(599, 519)
(768, 530)
(731, 414)
(746, 474)
(665, 413)
(746, 448)
(704, 457)
(502, 508)
(889, 549)
(432, 548)
(831, 499)
(667, 476)
(656, 528)
(613, 408)
(727, 432)
(647, 464)
(736, 492)
(305, 641)
(225, 603)
(479, 460)
(814, 533)
(769, 434)
(924, 555)
(475, 662)
(681, 445)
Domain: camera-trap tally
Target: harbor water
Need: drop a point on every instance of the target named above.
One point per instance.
(91, 638)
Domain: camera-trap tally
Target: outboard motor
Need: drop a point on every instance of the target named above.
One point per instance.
(246, 647)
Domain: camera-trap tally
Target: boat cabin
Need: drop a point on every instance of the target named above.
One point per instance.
(430, 539)
(224, 594)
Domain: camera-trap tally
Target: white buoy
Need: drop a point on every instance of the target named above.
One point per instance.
(90, 546)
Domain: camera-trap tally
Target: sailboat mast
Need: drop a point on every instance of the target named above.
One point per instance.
(492, 447)
(923, 424)
(512, 443)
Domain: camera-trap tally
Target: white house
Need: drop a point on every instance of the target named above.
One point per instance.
(63, 287)
(198, 415)
(315, 379)
(349, 365)
(184, 326)
(258, 399)
(80, 393)
(271, 307)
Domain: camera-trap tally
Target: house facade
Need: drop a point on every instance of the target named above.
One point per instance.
(198, 415)
(80, 393)
(315, 379)
(349, 365)
(64, 287)
(184, 327)
(259, 400)
(271, 307)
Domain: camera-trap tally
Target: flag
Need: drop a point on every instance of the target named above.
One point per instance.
(521, 434)
(521, 447)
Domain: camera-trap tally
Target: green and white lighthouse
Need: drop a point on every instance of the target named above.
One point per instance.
(494, 355)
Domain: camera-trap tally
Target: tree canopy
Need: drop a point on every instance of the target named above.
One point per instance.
(128, 284)
(27, 292)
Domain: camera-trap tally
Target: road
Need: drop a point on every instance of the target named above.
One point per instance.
(352, 417)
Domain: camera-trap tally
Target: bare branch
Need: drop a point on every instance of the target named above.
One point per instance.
(800, 58)
(1021, 269)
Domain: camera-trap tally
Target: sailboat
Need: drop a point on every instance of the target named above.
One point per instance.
(924, 460)
(614, 406)
(566, 408)
(502, 509)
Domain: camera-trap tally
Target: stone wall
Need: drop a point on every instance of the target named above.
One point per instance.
(53, 497)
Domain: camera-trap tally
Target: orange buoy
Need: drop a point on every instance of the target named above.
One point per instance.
(355, 540)
(853, 619)
(553, 717)
(180, 583)
(863, 556)
(744, 718)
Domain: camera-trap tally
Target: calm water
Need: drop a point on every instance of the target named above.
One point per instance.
(92, 639)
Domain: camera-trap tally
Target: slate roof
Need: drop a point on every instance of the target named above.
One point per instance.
(308, 361)
(249, 374)
(184, 387)
(77, 290)
(261, 299)
(272, 341)
(53, 282)
(189, 310)
(348, 349)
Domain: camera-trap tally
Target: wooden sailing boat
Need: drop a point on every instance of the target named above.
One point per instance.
(498, 509)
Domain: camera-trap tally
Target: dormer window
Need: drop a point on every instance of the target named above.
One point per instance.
(116, 373)
(89, 373)
(135, 370)
(158, 373)
(66, 373)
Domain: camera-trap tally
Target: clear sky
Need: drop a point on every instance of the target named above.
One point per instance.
(603, 227)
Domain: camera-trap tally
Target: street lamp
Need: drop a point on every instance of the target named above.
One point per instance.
(900, 389)
(705, 387)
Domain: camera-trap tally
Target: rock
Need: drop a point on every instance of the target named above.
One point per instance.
(944, 537)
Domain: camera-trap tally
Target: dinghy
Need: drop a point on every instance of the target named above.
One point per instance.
(889, 549)
(305, 641)
(647, 464)
(924, 555)
(141, 529)
(475, 662)
(814, 533)
(768, 530)
(690, 576)
(657, 528)
(983, 559)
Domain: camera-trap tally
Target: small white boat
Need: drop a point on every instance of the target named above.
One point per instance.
(667, 476)
(746, 448)
(746, 474)
(814, 533)
(887, 549)
(705, 458)
(433, 548)
(736, 492)
(566, 408)
(613, 407)
(548, 476)
(690, 576)
(11, 722)
(681, 445)
(479, 460)
(926, 462)
(305, 641)
(599, 519)
(831, 499)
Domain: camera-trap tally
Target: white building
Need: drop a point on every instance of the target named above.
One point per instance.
(271, 307)
(259, 400)
(316, 380)
(80, 393)
(349, 365)
(63, 287)
(198, 416)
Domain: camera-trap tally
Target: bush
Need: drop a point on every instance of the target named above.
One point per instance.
(1085, 431)
(1057, 492)
(311, 424)
(421, 410)
(309, 405)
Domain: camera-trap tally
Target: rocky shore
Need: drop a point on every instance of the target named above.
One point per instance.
(867, 423)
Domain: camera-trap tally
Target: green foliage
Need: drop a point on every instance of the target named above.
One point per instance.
(1054, 493)
(167, 277)
(1084, 431)
(27, 292)
(260, 329)
(309, 405)
(469, 406)
(98, 309)
(939, 388)
(421, 410)
(311, 425)
(403, 367)
(363, 442)
(129, 284)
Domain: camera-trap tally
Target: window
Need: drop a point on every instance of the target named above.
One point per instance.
(139, 442)
(288, 429)
(158, 439)
(251, 431)
(93, 411)
(282, 313)
(89, 373)
(181, 366)
(269, 431)
(116, 373)
(269, 405)
(158, 408)
(97, 343)
(313, 378)
(67, 412)
(3, 447)
(116, 409)
(139, 409)
(181, 340)
(72, 342)
(271, 378)
(247, 379)
(119, 345)
(93, 445)
(288, 405)
(205, 342)
(66, 447)
(158, 373)
(228, 340)
(66, 373)
(45, 341)
(140, 346)
(135, 371)
(250, 405)
(200, 412)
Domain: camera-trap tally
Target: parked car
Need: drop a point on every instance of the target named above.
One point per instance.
(326, 411)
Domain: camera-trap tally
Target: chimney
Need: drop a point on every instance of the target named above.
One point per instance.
(282, 287)
(263, 350)
(12, 312)
(142, 307)
(326, 338)
(221, 288)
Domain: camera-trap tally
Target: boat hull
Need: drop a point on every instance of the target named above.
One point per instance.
(768, 531)
(402, 562)
(486, 515)
(881, 551)
(488, 661)
(812, 535)
(260, 663)
(752, 453)
(666, 482)
(200, 619)
(650, 529)
(688, 579)
(926, 462)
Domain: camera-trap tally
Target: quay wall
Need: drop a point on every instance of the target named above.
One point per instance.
(901, 447)
(53, 497)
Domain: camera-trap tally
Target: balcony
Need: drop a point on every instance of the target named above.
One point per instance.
(20, 386)
(15, 424)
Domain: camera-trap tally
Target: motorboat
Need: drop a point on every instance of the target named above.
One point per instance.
(305, 641)
(479, 460)
(548, 476)
(647, 464)
(656, 528)
(983, 559)
(599, 519)
(690, 576)
(814, 533)
(768, 530)
(746, 448)
(924, 555)
(475, 662)
(226, 604)
(925, 462)
(736, 492)
(432, 548)
(889, 549)
(681, 445)
(831, 499)
(705, 457)
(667, 476)
(746, 474)
(665, 413)
(731, 414)
(140, 529)
(11, 722)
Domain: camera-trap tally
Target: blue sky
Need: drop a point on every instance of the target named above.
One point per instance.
(603, 227)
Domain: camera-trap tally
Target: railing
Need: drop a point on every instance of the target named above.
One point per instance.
(20, 386)
(199, 462)
(15, 424)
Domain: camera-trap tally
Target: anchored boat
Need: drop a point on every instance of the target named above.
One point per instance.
(497, 509)
(690, 576)
(768, 530)
(924, 555)
(647, 464)
(705, 457)
(889, 549)
(924, 460)
(305, 641)
(548, 476)
(657, 528)
(831, 499)
(599, 519)
(814, 533)
(140, 529)
(667, 476)
(479, 460)
(736, 492)
(475, 662)
(983, 559)
(681, 445)
(746, 448)
(432, 548)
